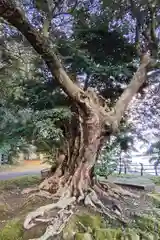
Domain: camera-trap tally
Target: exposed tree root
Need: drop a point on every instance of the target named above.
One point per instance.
(41, 193)
(30, 190)
(92, 197)
(109, 189)
(56, 225)
(40, 212)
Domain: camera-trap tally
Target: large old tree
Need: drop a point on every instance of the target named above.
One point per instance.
(94, 120)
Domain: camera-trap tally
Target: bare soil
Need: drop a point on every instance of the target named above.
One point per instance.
(15, 205)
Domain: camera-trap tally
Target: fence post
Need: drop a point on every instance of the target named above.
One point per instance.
(125, 170)
(141, 169)
(120, 170)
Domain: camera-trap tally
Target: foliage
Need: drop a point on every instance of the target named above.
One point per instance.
(156, 180)
(111, 158)
(74, 29)
(35, 109)
(33, 113)
(107, 163)
(154, 154)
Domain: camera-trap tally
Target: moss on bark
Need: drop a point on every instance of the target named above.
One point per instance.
(13, 230)
(82, 226)
(89, 226)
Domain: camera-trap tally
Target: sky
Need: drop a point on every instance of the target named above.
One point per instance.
(145, 115)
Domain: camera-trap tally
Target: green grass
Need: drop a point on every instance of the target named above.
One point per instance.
(122, 175)
(156, 180)
(19, 182)
(13, 230)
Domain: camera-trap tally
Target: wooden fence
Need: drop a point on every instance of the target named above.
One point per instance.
(139, 169)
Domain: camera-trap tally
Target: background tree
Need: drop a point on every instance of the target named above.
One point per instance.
(154, 153)
(95, 114)
(125, 143)
(116, 154)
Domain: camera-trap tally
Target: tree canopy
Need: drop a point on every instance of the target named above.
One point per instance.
(69, 70)
(74, 33)
(31, 88)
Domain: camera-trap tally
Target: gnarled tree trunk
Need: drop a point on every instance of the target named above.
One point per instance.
(73, 179)
(90, 130)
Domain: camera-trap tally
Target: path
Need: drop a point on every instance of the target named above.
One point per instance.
(36, 171)
(20, 171)
(9, 175)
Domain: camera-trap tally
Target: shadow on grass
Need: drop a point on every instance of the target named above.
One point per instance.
(19, 182)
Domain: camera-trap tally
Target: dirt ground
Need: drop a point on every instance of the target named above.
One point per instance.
(15, 205)
(10, 204)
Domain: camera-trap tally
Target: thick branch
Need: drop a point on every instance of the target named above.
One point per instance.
(137, 81)
(137, 15)
(14, 15)
(86, 83)
(70, 12)
(150, 31)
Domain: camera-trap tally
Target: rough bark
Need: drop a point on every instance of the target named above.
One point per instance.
(139, 78)
(88, 137)
(73, 179)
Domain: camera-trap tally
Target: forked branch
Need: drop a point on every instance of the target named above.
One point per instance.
(139, 23)
(150, 32)
(147, 29)
(16, 17)
(137, 81)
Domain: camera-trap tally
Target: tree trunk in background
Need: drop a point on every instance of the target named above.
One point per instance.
(156, 170)
(120, 163)
(125, 169)
(142, 168)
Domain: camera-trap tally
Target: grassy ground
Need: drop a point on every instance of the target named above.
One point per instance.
(14, 206)
(19, 183)
(154, 179)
